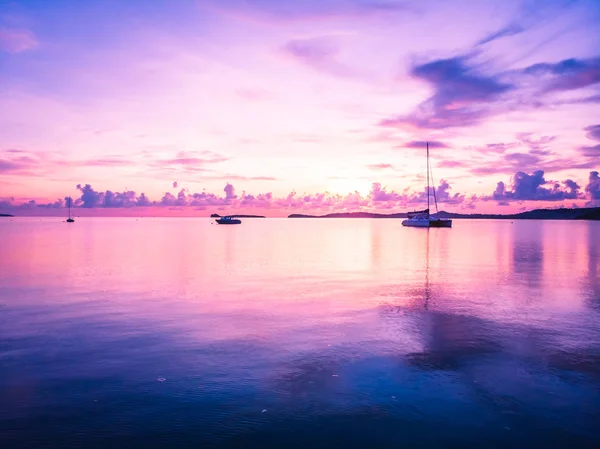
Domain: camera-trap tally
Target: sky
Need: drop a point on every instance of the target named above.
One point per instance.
(188, 107)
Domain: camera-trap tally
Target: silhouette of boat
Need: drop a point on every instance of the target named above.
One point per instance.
(228, 220)
(423, 219)
(70, 219)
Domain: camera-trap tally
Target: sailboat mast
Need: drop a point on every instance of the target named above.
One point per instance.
(433, 190)
(427, 178)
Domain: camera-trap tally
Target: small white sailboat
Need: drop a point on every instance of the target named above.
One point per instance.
(423, 219)
(70, 219)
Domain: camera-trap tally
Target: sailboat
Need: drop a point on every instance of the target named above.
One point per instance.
(70, 219)
(423, 219)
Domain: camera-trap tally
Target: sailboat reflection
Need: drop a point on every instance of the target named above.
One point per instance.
(414, 294)
(427, 289)
(440, 336)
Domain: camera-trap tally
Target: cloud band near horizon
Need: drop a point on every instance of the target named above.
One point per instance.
(523, 188)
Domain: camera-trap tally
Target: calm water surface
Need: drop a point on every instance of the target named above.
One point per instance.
(124, 332)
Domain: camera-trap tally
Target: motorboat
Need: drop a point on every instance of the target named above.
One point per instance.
(228, 220)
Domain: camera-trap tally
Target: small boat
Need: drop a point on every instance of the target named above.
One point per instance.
(228, 220)
(70, 219)
(423, 219)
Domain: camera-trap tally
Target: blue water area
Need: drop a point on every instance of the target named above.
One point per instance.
(299, 334)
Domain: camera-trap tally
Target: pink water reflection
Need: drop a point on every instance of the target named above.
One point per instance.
(303, 268)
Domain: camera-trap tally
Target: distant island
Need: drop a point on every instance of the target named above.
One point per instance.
(6, 215)
(237, 216)
(590, 213)
(350, 215)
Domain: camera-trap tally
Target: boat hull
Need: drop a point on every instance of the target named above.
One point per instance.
(441, 224)
(427, 223)
(416, 223)
(229, 222)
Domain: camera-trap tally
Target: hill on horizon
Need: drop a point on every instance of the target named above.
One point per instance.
(589, 213)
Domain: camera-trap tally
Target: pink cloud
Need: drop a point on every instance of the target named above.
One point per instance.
(498, 147)
(16, 164)
(421, 144)
(321, 53)
(107, 162)
(534, 187)
(452, 164)
(17, 40)
(592, 189)
(281, 13)
(463, 96)
(234, 177)
(568, 74)
(593, 132)
(380, 166)
(229, 192)
(186, 159)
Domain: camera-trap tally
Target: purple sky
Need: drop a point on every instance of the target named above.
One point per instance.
(304, 105)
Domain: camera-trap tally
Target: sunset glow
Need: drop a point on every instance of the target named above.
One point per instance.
(189, 107)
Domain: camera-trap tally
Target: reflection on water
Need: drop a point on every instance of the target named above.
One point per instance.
(528, 253)
(592, 286)
(299, 333)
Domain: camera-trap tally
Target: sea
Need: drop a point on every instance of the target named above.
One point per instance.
(298, 333)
